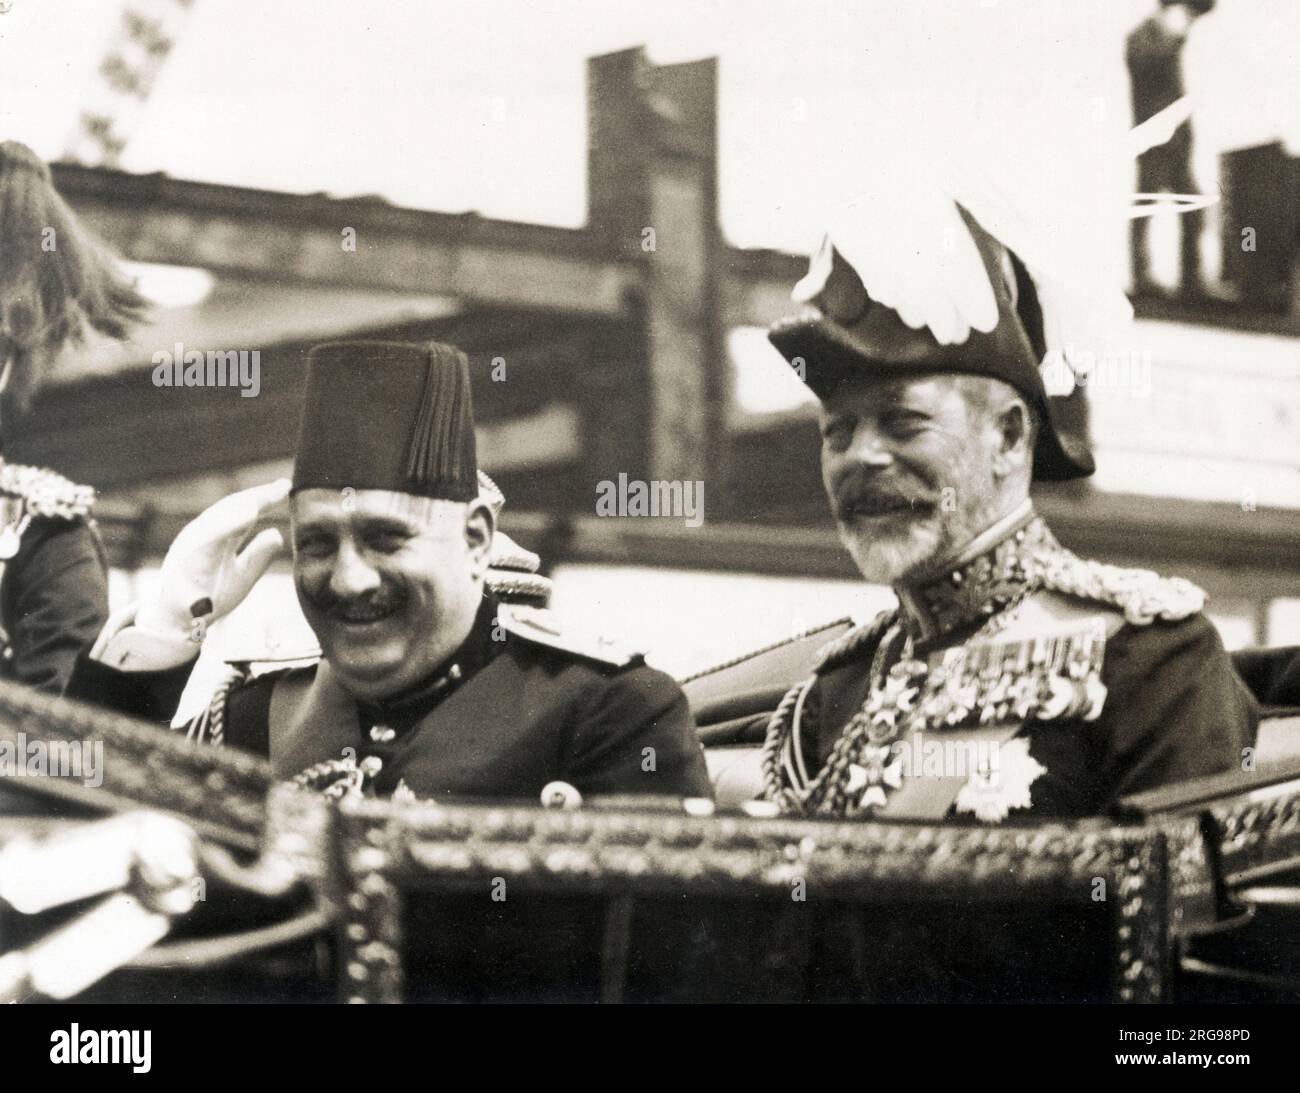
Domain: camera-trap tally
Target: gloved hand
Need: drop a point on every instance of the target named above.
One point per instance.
(204, 563)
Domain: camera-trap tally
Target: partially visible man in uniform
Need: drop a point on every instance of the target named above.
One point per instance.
(56, 283)
(426, 687)
(1014, 679)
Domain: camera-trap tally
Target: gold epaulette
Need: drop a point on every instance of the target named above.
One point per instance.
(45, 492)
(1142, 595)
(540, 626)
(507, 554)
(525, 589)
(512, 574)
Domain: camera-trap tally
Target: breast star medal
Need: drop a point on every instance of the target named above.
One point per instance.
(996, 788)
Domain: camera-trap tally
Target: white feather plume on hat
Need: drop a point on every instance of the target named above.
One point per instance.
(1050, 185)
(905, 239)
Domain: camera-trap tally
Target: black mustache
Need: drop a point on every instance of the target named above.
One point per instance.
(874, 500)
(367, 608)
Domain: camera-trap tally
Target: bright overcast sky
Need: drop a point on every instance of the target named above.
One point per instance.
(480, 105)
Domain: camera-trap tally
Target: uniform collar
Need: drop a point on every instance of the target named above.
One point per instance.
(988, 575)
(404, 710)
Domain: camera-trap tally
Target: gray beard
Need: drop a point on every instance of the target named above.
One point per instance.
(888, 559)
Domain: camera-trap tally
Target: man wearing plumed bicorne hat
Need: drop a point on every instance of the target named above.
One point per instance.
(1014, 678)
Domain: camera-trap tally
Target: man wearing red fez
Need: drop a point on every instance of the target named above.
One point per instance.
(1014, 679)
(428, 685)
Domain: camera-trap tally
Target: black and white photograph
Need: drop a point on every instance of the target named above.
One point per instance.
(707, 502)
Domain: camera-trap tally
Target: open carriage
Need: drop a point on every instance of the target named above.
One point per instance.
(186, 875)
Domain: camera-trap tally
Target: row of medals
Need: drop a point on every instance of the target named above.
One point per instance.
(1044, 678)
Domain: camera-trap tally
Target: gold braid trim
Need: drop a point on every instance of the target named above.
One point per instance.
(45, 492)
(778, 764)
(210, 726)
(1141, 594)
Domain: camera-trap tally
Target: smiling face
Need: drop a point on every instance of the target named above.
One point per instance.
(915, 468)
(389, 582)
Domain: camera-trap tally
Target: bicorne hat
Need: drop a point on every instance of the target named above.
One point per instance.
(844, 333)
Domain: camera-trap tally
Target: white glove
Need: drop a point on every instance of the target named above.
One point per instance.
(204, 563)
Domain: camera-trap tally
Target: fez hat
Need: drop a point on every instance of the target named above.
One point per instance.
(388, 416)
(845, 333)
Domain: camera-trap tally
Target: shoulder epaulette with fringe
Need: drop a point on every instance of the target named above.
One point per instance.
(541, 627)
(45, 492)
(513, 576)
(1142, 595)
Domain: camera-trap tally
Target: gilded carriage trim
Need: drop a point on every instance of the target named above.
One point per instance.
(218, 791)
(1193, 894)
(1260, 832)
(370, 929)
(388, 849)
(1142, 953)
(1158, 878)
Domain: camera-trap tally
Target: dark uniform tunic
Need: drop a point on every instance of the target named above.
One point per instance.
(503, 719)
(54, 583)
(54, 587)
(53, 601)
(1086, 682)
(1174, 710)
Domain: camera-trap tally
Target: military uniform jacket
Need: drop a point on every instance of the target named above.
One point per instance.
(1174, 710)
(54, 583)
(1038, 685)
(505, 718)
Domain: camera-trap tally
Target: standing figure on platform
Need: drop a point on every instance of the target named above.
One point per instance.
(55, 283)
(1153, 53)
